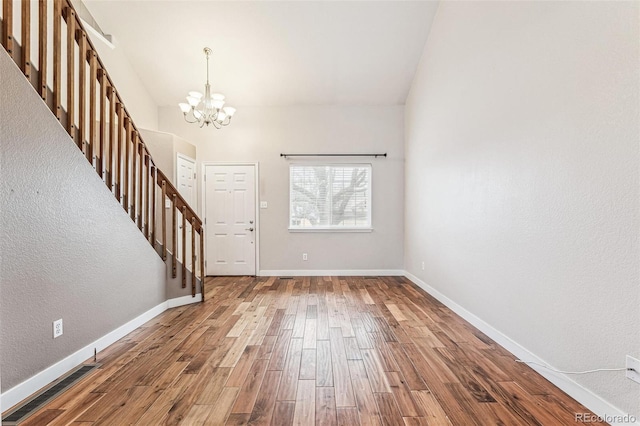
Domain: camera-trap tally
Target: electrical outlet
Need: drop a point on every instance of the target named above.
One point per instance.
(57, 328)
(263, 204)
(304, 256)
(633, 369)
(423, 265)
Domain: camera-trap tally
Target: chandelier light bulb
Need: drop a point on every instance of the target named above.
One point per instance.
(208, 108)
(217, 103)
(193, 101)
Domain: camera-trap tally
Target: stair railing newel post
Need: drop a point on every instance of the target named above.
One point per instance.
(140, 187)
(93, 77)
(164, 220)
(7, 26)
(103, 126)
(134, 170)
(71, 86)
(26, 38)
(193, 256)
(127, 165)
(202, 273)
(103, 130)
(82, 95)
(112, 138)
(57, 57)
(184, 246)
(154, 180)
(42, 49)
(174, 236)
(147, 176)
(119, 154)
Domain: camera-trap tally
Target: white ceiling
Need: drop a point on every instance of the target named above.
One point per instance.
(272, 52)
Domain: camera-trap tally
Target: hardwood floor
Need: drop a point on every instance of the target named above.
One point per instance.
(305, 351)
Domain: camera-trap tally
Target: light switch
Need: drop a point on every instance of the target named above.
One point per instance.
(263, 204)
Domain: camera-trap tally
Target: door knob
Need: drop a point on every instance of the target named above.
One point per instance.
(249, 229)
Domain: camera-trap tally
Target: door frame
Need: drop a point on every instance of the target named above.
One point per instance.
(256, 167)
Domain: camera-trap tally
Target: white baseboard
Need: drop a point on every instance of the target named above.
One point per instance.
(21, 391)
(581, 394)
(184, 300)
(330, 272)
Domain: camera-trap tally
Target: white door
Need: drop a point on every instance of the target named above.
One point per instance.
(230, 222)
(185, 179)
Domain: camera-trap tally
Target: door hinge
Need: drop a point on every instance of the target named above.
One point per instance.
(205, 220)
(205, 263)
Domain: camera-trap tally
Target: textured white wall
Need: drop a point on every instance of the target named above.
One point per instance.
(261, 134)
(68, 249)
(522, 178)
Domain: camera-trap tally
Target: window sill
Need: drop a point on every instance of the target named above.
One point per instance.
(337, 230)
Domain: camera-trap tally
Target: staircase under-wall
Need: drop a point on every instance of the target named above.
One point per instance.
(82, 236)
(86, 102)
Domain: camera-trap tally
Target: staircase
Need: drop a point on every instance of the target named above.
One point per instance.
(87, 104)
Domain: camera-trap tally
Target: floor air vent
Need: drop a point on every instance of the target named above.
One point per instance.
(30, 406)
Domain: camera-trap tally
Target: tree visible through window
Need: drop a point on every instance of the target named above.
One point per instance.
(330, 197)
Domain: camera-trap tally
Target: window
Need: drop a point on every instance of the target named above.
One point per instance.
(330, 197)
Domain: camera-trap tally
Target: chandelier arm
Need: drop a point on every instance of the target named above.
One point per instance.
(187, 120)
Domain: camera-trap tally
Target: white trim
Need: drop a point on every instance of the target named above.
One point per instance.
(21, 391)
(576, 391)
(98, 34)
(184, 300)
(329, 229)
(256, 166)
(331, 272)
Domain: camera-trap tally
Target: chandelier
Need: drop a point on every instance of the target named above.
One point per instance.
(209, 109)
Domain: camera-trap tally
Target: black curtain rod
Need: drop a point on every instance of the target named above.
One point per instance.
(333, 155)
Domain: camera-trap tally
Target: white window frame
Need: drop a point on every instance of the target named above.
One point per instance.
(368, 228)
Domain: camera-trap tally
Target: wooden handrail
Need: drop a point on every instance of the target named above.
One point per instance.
(110, 140)
(180, 202)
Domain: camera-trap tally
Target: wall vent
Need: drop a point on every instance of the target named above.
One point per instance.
(33, 404)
